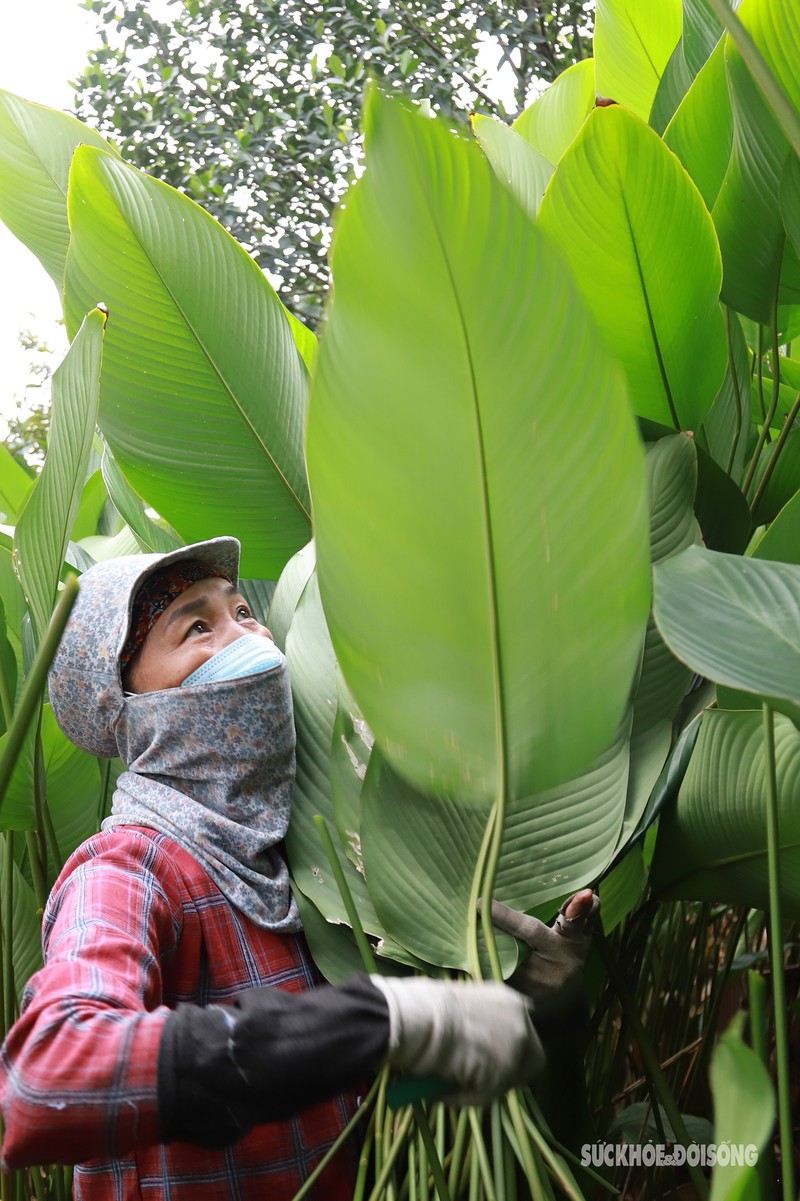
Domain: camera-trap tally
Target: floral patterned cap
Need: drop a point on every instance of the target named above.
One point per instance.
(85, 683)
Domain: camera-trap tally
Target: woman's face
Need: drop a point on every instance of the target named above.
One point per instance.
(200, 622)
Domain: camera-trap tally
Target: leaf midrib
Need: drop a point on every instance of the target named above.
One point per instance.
(227, 390)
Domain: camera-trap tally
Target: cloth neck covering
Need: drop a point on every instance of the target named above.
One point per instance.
(212, 766)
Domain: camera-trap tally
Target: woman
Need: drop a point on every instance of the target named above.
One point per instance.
(176, 1043)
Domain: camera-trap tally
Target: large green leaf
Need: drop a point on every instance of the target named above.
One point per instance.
(734, 620)
(468, 555)
(36, 148)
(700, 35)
(701, 132)
(515, 162)
(713, 844)
(422, 853)
(747, 210)
(663, 679)
(313, 673)
(725, 426)
(149, 534)
(203, 389)
(744, 1112)
(563, 838)
(781, 541)
(419, 857)
(790, 201)
(644, 253)
(633, 41)
(44, 526)
(553, 120)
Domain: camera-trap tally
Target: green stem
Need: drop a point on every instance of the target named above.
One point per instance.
(757, 997)
(9, 1000)
(479, 1149)
(34, 685)
(651, 1061)
(346, 895)
(769, 417)
(51, 836)
(777, 449)
(105, 779)
(475, 893)
(737, 391)
(459, 1148)
(549, 1145)
(37, 874)
(391, 1158)
(498, 1162)
(776, 960)
(6, 699)
(526, 1157)
(434, 1162)
(363, 1161)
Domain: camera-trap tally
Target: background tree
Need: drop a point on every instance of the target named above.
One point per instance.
(253, 108)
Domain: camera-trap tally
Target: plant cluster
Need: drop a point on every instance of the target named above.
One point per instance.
(557, 366)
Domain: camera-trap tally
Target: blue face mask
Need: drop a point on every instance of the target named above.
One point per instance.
(247, 656)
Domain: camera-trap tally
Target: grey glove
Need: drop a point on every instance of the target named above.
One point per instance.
(480, 1036)
(550, 975)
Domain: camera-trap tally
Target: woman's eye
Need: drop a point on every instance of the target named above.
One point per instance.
(197, 627)
(243, 613)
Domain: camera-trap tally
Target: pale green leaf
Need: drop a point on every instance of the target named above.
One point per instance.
(744, 1112)
(523, 169)
(554, 119)
(734, 620)
(45, 524)
(633, 41)
(203, 391)
(644, 253)
(36, 148)
(453, 513)
(291, 585)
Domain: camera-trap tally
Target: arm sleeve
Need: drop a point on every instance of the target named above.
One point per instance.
(265, 1058)
(78, 1070)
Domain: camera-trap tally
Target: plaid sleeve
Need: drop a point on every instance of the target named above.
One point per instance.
(78, 1070)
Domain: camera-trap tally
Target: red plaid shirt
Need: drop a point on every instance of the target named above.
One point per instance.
(133, 927)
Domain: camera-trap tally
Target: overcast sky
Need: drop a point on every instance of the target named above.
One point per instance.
(43, 44)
